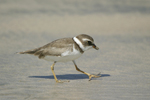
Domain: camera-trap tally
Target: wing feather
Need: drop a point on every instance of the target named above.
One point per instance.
(55, 48)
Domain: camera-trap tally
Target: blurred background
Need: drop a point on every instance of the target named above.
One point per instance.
(74, 17)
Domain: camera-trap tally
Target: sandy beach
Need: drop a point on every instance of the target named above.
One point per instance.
(121, 29)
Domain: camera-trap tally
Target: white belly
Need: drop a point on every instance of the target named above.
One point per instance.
(62, 58)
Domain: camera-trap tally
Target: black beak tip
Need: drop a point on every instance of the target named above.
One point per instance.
(95, 47)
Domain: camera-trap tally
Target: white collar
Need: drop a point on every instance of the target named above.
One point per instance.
(79, 43)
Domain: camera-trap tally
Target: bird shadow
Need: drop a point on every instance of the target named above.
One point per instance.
(68, 76)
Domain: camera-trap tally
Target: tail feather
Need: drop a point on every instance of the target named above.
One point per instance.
(36, 52)
(29, 51)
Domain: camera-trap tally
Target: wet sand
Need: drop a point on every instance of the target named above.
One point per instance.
(123, 59)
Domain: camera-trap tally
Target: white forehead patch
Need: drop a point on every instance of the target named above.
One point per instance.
(84, 39)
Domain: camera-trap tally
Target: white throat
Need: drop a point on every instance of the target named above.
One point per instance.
(79, 43)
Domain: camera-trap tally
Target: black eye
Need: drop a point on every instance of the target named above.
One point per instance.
(89, 42)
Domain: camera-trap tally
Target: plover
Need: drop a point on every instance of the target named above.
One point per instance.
(63, 50)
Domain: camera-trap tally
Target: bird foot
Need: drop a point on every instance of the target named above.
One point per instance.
(95, 76)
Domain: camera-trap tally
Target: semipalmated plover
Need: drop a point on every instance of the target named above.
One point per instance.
(65, 49)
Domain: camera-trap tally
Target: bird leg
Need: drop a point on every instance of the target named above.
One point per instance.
(90, 75)
(58, 81)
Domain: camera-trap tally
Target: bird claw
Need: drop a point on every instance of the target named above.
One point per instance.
(95, 76)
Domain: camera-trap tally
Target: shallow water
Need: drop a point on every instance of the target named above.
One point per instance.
(121, 31)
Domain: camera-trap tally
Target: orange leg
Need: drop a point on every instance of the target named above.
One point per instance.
(90, 75)
(58, 81)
